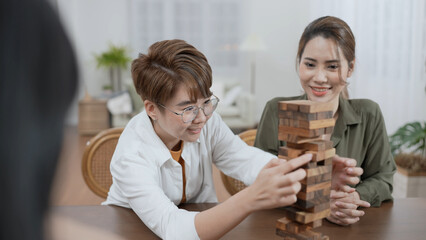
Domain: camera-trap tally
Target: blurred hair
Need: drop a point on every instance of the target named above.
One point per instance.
(330, 28)
(168, 64)
(38, 80)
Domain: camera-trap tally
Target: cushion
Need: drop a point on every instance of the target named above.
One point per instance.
(120, 104)
(231, 96)
(218, 89)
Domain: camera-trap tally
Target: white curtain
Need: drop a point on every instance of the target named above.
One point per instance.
(212, 26)
(390, 54)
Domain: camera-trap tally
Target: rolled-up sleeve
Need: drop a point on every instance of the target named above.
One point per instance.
(234, 157)
(140, 183)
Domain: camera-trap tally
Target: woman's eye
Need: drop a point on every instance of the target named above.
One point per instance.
(334, 66)
(190, 108)
(207, 101)
(308, 64)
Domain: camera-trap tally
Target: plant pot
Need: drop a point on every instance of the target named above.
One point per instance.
(408, 183)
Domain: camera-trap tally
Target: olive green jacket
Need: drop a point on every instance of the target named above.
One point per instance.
(359, 133)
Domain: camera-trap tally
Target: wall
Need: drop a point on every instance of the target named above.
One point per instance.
(93, 24)
(279, 24)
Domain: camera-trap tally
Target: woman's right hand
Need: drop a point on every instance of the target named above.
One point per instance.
(344, 207)
(278, 183)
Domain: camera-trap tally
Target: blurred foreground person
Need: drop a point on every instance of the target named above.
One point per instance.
(38, 79)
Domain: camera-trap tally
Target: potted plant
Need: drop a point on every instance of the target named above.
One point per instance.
(114, 59)
(408, 145)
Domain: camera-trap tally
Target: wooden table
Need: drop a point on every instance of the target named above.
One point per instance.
(402, 219)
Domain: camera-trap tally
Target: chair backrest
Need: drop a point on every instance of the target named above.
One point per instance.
(97, 158)
(233, 185)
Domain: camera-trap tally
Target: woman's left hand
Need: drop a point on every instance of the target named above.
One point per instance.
(345, 172)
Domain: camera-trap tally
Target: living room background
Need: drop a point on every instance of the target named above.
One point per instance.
(378, 25)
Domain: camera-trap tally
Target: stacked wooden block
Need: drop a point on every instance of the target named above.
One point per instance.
(302, 125)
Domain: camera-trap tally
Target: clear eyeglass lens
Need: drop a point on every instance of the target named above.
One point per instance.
(208, 108)
(189, 115)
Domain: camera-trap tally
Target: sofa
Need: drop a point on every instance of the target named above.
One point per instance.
(236, 106)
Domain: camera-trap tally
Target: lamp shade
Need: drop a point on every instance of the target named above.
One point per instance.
(252, 43)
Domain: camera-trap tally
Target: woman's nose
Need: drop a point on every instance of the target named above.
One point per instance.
(320, 76)
(201, 117)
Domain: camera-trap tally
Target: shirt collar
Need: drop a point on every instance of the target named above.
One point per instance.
(150, 138)
(347, 117)
(148, 135)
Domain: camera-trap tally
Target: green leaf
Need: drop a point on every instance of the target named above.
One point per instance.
(115, 56)
(410, 136)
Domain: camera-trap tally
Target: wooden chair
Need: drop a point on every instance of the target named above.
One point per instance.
(233, 185)
(96, 160)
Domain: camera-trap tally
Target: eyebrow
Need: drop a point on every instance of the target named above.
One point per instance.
(184, 103)
(329, 61)
(187, 102)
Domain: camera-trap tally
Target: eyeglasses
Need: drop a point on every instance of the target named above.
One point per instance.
(191, 112)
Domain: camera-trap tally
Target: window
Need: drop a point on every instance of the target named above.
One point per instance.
(212, 26)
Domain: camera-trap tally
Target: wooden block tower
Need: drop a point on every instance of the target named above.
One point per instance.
(302, 124)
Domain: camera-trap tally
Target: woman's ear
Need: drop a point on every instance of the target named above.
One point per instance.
(351, 68)
(151, 109)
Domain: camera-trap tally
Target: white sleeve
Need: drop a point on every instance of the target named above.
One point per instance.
(139, 183)
(232, 155)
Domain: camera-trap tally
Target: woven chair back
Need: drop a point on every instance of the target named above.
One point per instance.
(97, 158)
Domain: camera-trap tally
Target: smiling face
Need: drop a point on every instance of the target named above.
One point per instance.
(169, 126)
(323, 70)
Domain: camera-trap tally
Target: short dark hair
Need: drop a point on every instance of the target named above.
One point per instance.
(168, 64)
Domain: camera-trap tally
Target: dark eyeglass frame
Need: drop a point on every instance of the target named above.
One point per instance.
(195, 110)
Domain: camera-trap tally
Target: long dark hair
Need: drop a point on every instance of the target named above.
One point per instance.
(330, 28)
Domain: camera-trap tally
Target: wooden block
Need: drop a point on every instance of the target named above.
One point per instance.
(297, 215)
(318, 208)
(290, 152)
(284, 114)
(316, 223)
(318, 171)
(305, 166)
(305, 106)
(302, 204)
(326, 162)
(307, 116)
(317, 179)
(321, 155)
(310, 165)
(315, 194)
(296, 139)
(282, 223)
(309, 133)
(282, 105)
(313, 124)
(315, 187)
(328, 130)
(318, 145)
(284, 157)
(324, 115)
(287, 225)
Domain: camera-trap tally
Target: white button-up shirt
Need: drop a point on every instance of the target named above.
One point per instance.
(148, 180)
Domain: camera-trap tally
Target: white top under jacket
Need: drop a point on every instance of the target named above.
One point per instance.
(148, 180)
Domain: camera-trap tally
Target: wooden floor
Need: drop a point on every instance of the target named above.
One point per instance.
(69, 187)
